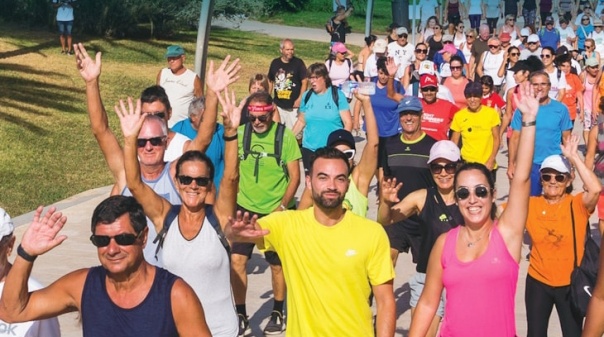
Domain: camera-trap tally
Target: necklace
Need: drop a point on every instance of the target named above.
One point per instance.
(469, 243)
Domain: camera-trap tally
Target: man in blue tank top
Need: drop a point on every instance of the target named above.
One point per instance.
(124, 296)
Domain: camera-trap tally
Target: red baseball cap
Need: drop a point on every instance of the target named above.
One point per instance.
(428, 80)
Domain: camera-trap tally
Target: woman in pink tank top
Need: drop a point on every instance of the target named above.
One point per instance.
(477, 263)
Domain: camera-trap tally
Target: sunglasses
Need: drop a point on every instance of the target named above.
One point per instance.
(470, 36)
(513, 20)
(456, 68)
(159, 114)
(492, 46)
(445, 42)
(461, 27)
(545, 56)
(588, 47)
(350, 153)
(402, 36)
(200, 181)
(449, 168)
(421, 51)
(532, 43)
(126, 239)
(262, 118)
(559, 177)
(514, 54)
(429, 89)
(480, 191)
(155, 141)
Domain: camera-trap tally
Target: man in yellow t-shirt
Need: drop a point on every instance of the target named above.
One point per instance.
(332, 259)
(478, 127)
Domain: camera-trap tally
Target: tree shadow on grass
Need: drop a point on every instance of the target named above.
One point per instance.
(27, 50)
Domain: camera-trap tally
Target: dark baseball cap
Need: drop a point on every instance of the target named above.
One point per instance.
(341, 136)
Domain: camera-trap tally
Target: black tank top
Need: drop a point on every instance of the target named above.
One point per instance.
(434, 222)
(434, 46)
(152, 317)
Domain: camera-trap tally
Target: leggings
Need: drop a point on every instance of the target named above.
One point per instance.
(475, 21)
(539, 300)
(492, 22)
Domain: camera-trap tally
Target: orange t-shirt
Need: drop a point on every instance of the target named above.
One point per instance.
(573, 87)
(550, 227)
(457, 91)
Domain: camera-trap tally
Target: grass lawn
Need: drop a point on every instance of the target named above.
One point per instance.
(48, 152)
(318, 13)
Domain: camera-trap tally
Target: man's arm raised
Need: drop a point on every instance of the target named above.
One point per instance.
(90, 70)
(217, 81)
(17, 304)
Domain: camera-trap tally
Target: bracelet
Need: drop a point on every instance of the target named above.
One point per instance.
(229, 138)
(21, 252)
(531, 123)
(283, 207)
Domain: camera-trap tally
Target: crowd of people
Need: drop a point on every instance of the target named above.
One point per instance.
(193, 198)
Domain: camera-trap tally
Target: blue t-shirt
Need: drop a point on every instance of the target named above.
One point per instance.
(549, 38)
(215, 150)
(322, 116)
(582, 34)
(385, 112)
(552, 120)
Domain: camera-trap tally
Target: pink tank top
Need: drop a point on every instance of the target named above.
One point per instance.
(587, 95)
(479, 294)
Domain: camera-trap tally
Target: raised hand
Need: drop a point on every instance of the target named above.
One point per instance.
(391, 66)
(569, 150)
(526, 100)
(389, 191)
(244, 228)
(41, 235)
(231, 113)
(131, 119)
(217, 80)
(89, 69)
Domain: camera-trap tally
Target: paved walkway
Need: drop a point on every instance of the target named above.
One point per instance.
(78, 252)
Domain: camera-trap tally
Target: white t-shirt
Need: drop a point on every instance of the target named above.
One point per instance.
(180, 90)
(43, 328)
(556, 84)
(175, 147)
(567, 33)
(65, 12)
(599, 39)
(403, 56)
(371, 66)
(525, 53)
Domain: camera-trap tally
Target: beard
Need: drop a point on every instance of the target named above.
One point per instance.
(323, 202)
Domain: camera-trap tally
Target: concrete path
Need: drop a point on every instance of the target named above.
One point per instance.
(78, 252)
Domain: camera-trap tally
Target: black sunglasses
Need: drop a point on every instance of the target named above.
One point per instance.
(480, 191)
(449, 168)
(125, 239)
(200, 181)
(429, 89)
(456, 68)
(421, 51)
(532, 43)
(155, 141)
(559, 177)
(263, 118)
(159, 114)
(402, 35)
(494, 46)
(545, 56)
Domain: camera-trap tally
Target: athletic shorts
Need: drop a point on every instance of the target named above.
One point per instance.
(65, 27)
(416, 284)
(289, 118)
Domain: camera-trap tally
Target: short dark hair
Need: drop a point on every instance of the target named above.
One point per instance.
(156, 93)
(320, 69)
(114, 207)
(380, 63)
(456, 58)
(370, 39)
(195, 156)
(329, 153)
(488, 81)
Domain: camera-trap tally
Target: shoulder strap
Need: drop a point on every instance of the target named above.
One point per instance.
(335, 96)
(279, 148)
(161, 236)
(216, 225)
(307, 96)
(559, 75)
(247, 139)
(329, 64)
(349, 63)
(572, 217)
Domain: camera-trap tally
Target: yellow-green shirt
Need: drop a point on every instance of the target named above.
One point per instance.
(329, 271)
(354, 201)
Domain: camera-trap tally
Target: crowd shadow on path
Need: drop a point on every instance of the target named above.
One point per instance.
(402, 295)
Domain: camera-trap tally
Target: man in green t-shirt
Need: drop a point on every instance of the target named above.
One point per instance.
(269, 171)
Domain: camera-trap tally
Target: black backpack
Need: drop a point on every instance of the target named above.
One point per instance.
(334, 94)
(247, 140)
(161, 236)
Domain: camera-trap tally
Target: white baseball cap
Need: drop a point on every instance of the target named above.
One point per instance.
(444, 149)
(6, 224)
(556, 162)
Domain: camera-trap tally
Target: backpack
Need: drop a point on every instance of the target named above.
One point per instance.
(334, 94)
(247, 140)
(348, 61)
(161, 236)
